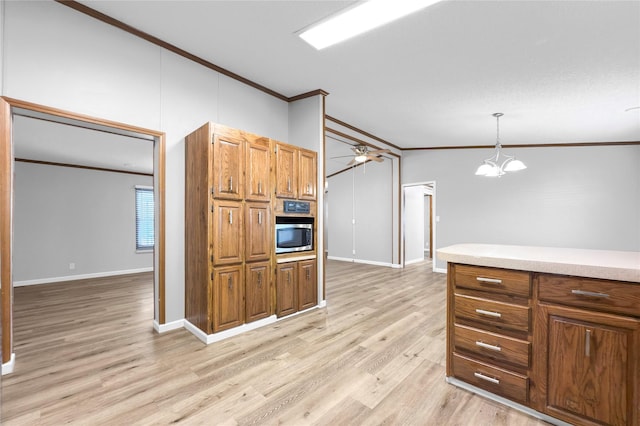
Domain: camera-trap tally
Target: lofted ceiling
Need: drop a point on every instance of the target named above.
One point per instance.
(560, 71)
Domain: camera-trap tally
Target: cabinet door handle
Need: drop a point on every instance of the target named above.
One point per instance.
(259, 218)
(230, 183)
(259, 188)
(489, 313)
(487, 378)
(230, 282)
(587, 343)
(308, 275)
(488, 346)
(288, 184)
(309, 189)
(259, 279)
(288, 277)
(489, 280)
(589, 293)
(230, 217)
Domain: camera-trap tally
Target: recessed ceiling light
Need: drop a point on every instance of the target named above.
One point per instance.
(359, 19)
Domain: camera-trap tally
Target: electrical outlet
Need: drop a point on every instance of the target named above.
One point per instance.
(72, 266)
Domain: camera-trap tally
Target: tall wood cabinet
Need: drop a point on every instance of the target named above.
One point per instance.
(228, 235)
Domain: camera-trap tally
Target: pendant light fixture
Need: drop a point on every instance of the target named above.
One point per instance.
(500, 163)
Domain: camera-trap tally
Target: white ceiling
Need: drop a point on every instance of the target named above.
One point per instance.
(560, 71)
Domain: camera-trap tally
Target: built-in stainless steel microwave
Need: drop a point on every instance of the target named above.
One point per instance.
(293, 234)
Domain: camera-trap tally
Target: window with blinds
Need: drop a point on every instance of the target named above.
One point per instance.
(144, 218)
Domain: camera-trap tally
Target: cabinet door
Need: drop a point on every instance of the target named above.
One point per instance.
(307, 175)
(228, 303)
(228, 159)
(592, 367)
(307, 288)
(258, 172)
(227, 236)
(286, 171)
(286, 289)
(258, 230)
(257, 291)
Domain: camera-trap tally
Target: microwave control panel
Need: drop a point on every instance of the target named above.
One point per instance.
(296, 206)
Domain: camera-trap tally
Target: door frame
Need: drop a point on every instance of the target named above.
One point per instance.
(433, 221)
(7, 108)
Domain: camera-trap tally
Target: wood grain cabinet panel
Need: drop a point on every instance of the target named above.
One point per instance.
(258, 172)
(307, 175)
(258, 230)
(228, 162)
(286, 288)
(227, 238)
(228, 297)
(492, 346)
(257, 290)
(307, 286)
(286, 171)
(494, 280)
(501, 315)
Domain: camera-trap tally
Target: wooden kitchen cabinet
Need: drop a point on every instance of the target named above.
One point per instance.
(259, 238)
(258, 171)
(490, 329)
(228, 297)
(228, 162)
(286, 288)
(227, 238)
(258, 291)
(307, 286)
(307, 174)
(591, 350)
(286, 170)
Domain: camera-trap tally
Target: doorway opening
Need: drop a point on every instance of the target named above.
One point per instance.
(11, 109)
(419, 223)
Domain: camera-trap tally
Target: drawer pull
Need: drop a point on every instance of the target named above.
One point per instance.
(488, 346)
(487, 378)
(589, 293)
(489, 280)
(489, 313)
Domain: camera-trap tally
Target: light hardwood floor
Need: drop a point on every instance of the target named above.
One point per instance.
(87, 354)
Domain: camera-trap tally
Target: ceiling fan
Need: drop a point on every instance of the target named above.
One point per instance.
(362, 154)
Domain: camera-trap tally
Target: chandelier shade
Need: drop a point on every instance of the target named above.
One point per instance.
(499, 164)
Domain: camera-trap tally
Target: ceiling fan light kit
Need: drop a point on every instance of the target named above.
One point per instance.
(499, 164)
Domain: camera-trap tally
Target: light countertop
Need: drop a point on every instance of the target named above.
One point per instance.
(605, 264)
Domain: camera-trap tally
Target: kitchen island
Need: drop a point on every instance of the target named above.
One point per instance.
(553, 332)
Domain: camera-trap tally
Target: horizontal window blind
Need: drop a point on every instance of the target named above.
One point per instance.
(144, 218)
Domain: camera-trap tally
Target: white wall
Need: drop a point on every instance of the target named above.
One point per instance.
(414, 224)
(67, 215)
(58, 57)
(366, 196)
(579, 197)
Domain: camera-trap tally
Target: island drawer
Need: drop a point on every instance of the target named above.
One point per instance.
(499, 314)
(492, 346)
(501, 382)
(608, 296)
(495, 280)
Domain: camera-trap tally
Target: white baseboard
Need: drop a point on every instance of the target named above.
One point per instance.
(368, 262)
(163, 328)
(397, 265)
(8, 367)
(216, 337)
(412, 261)
(440, 270)
(80, 277)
